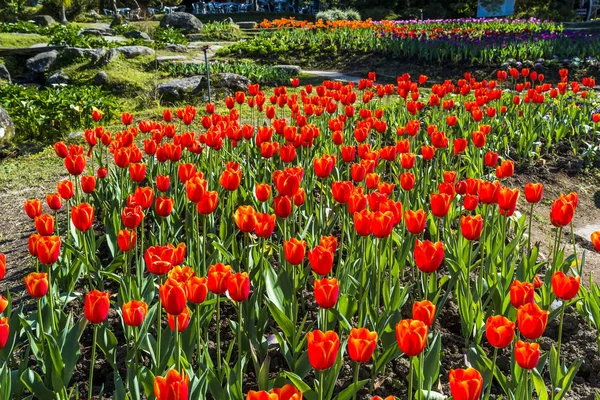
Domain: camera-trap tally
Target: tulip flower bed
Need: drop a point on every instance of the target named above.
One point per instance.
(311, 244)
(473, 42)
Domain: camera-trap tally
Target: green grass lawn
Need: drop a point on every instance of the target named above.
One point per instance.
(19, 40)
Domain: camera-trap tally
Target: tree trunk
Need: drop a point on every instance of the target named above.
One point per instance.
(255, 5)
(63, 15)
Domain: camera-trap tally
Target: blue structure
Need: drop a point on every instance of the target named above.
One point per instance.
(506, 8)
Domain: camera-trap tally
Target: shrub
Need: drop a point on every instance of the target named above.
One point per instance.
(49, 114)
(352, 15)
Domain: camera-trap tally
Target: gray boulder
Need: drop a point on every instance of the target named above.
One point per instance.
(137, 35)
(98, 32)
(108, 57)
(177, 48)
(43, 20)
(247, 24)
(195, 37)
(42, 62)
(178, 89)
(4, 74)
(73, 53)
(101, 78)
(94, 14)
(57, 79)
(135, 51)
(7, 128)
(232, 82)
(181, 20)
(293, 69)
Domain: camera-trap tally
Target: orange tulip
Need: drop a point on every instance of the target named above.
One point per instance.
(134, 312)
(415, 221)
(294, 251)
(33, 208)
(238, 286)
(562, 211)
(82, 216)
(321, 260)
(65, 189)
(465, 384)
(48, 249)
(507, 200)
(499, 331)
(4, 332)
(96, 306)
(326, 292)
(3, 303)
(382, 223)
(424, 311)
(361, 344)
(565, 287)
(231, 177)
(159, 259)
(262, 192)
(163, 206)
(173, 296)
(171, 387)
(534, 192)
(183, 320)
(37, 284)
(411, 336)
(195, 188)
(471, 227)
(329, 242)
(126, 240)
(197, 289)
(521, 293)
(265, 224)
(595, 238)
(531, 320)
(440, 204)
(245, 218)
(218, 277)
(54, 201)
(527, 355)
(262, 395)
(428, 256)
(44, 224)
(322, 348)
(287, 392)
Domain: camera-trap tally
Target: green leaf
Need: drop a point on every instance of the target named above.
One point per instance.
(281, 319)
(350, 390)
(33, 382)
(147, 379)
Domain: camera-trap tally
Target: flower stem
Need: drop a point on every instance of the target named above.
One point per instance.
(410, 380)
(356, 368)
(489, 388)
(560, 326)
(321, 384)
(239, 341)
(92, 361)
(177, 349)
(218, 332)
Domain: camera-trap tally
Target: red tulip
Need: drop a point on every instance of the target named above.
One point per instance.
(33, 208)
(428, 256)
(44, 224)
(294, 251)
(565, 287)
(238, 286)
(4, 332)
(534, 192)
(183, 320)
(531, 320)
(361, 344)
(424, 311)
(471, 227)
(465, 384)
(415, 221)
(48, 249)
(499, 331)
(96, 306)
(218, 278)
(37, 284)
(134, 312)
(322, 349)
(326, 292)
(527, 355)
(82, 216)
(173, 296)
(321, 260)
(411, 336)
(54, 201)
(163, 206)
(521, 293)
(171, 387)
(197, 289)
